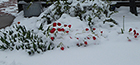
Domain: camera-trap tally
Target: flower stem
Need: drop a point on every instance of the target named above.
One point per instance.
(123, 22)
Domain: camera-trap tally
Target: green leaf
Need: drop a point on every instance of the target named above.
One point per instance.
(11, 32)
(17, 47)
(18, 35)
(122, 31)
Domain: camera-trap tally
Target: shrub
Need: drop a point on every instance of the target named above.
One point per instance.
(19, 37)
(90, 11)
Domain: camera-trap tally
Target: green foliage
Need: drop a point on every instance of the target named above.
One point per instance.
(122, 31)
(110, 20)
(21, 38)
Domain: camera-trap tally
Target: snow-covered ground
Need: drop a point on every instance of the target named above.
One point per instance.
(115, 49)
(112, 48)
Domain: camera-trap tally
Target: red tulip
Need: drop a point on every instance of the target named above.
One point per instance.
(77, 38)
(59, 24)
(134, 32)
(67, 31)
(54, 24)
(130, 29)
(62, 48)
(52, 31)
(85, 43)
(59, 29)
(94, 38)
(137, 33)
(87, 29)
(18, 22)
(52, 38)
(135, 36)
(94, 28)
(88, 38)
(69, 26)
(63, 29)
(101, 31)
(78, 44)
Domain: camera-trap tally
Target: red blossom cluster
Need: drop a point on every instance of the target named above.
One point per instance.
(135, 33)
(59, 24)
(88, 37)
(85, 42)
(61, 29)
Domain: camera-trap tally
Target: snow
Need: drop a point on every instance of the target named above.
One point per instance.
(11, 10)
(110, 48)
(1, 1)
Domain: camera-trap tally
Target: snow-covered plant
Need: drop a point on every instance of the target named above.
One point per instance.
(57, 30)
(18, 37)
(90, 11)
(133, 33)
